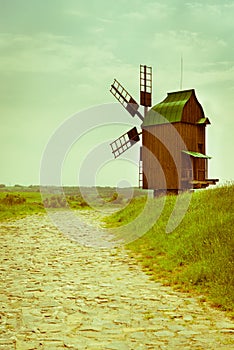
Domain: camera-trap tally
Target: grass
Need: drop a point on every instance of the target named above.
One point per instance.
(19, 201)
(131, 211)
(19, 204)
(198, 255)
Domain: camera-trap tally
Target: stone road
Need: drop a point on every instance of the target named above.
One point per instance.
(57, 294)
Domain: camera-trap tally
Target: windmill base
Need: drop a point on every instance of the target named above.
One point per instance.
(195, 185)
(162, 192)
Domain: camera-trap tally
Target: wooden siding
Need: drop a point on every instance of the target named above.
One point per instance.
(192, 111)
(164, 163)
(194, 139)
(201, 164)
(161, 158)
(201, 140)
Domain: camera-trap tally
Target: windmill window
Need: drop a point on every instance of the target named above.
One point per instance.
(200, 147)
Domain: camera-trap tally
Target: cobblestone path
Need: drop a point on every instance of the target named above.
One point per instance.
(56, 294)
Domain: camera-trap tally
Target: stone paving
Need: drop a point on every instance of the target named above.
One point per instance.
(57, 294)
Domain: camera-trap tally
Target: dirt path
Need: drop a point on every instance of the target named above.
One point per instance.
(56, 294)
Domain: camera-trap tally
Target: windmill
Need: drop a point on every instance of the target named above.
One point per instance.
(172, 156)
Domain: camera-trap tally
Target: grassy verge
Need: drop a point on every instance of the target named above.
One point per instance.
(198, 255)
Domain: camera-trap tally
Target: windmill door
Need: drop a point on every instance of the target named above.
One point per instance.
(199, 169)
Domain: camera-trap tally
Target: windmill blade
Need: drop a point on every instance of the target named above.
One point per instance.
(124, 142)
(126, 100)
(145, 85)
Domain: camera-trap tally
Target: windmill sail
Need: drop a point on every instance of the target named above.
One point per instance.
(145, 85)
(127, 101)
(125, 142)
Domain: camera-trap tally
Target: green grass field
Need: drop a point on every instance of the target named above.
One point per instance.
(198, 255)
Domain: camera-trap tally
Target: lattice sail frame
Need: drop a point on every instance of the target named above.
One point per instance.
(124, 142)
(145, 85)
(126, 100)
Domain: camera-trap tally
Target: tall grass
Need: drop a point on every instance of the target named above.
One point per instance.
(198, 254)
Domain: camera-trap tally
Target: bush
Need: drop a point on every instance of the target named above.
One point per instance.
(55, 202)
(12, 199)
(83, 204)
(77, 202)
(116, 198)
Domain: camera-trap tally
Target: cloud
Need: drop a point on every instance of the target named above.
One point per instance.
(150, 11)
(135, 16)
(215, 8)
(107, 20)
(215, 18)
(46, 53)
(195, 46)
(76, 13)
(27, 53)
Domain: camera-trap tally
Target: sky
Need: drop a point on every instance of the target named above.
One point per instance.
(59, 57)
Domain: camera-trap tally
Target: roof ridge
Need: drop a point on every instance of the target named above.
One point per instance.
(180, 91)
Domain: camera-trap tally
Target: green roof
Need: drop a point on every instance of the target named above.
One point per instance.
(196, 154)
(169, 110)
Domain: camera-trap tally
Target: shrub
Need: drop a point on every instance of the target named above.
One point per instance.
(55, 202)
(116, 198)
(12, 199)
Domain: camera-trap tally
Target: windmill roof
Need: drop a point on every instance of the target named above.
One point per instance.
(169, 110)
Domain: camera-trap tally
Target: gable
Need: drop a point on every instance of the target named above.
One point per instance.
(193, 111)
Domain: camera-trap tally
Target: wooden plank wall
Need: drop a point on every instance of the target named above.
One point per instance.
(160, 157)
(194, 138)
(163, 161)
(192, 111)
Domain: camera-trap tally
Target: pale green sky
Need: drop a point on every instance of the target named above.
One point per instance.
(59, 57)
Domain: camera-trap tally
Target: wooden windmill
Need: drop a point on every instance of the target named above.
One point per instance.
(172, 156)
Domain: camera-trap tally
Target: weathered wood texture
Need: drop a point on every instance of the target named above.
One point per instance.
(192, 111)
(165, 166)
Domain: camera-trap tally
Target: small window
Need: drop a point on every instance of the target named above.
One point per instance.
(200, 147)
